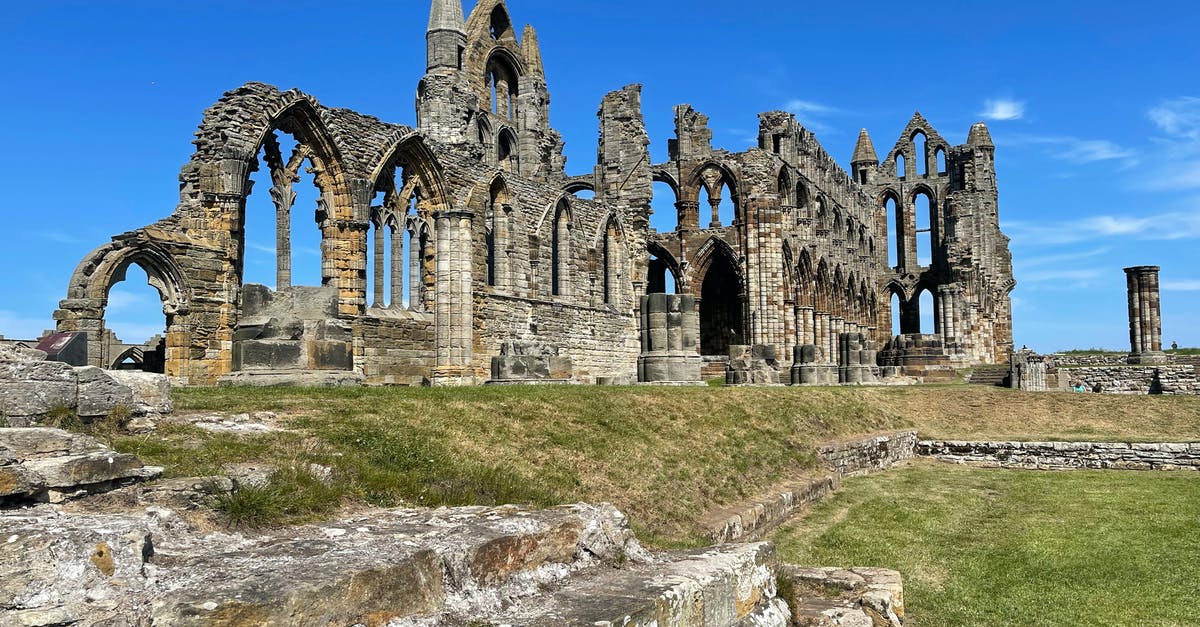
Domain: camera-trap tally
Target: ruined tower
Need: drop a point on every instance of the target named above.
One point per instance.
(1145, 316)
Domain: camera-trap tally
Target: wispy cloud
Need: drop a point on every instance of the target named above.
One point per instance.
(809, 114)
(1178, 117)
(1179, 121)
(1184, 285)
(1003, 109)
(1078, 277)
(1058, 259)
(1077, 151)
(1156, 227)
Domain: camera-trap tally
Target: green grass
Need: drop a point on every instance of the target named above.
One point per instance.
(665, 456)
(1001, 547)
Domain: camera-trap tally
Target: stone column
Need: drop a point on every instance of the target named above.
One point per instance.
(454, 301)
(1145, 315)
(821, 337)
(807, 325)
(836, 325)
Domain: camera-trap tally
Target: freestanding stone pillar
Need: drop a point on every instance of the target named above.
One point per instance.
(1145, 316)
(670, 339)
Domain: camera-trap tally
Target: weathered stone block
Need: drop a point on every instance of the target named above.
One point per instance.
(100, 394)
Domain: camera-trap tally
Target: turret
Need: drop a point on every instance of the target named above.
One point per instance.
(533, 53)
(865, 161)
(446, 38)
(979, 137)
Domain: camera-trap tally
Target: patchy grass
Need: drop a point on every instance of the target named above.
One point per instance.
(987, 413)
(666, 456)
(1001, 547)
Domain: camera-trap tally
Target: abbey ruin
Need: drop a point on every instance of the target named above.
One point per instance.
(460, 249)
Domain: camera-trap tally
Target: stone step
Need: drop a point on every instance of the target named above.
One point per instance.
(722, 586)
(989, 375)
(844, 597)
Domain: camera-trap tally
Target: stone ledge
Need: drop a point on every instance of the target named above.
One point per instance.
(1067, 455)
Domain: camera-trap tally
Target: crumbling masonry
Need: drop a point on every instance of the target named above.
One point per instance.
(491, 245)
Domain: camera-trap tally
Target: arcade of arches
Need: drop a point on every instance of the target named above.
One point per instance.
(446, 246)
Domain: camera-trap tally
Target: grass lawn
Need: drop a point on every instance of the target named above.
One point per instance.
(666, 456)
(1000, 547)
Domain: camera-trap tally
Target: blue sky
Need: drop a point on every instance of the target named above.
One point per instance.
(1095, 111)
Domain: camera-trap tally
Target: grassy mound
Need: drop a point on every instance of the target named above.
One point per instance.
(666, 456)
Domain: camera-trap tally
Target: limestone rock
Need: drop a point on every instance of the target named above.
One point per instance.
(50, 464)
(100, 393)
(151, 392)
(35, 388)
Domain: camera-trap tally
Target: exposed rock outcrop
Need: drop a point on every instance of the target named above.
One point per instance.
(52, 465)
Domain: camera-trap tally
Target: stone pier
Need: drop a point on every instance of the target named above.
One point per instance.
(1145, 316)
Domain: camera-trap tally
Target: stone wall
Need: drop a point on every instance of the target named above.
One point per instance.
(870, 455)
(1169, 380)
(1067, 455)
(842, 459)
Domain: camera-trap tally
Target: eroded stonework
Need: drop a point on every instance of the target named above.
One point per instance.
(490, 243)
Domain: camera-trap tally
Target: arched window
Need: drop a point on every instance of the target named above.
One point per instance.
(660, 276)
(561, 251)
(614, 259)
(802, 202)
(499, 236)
(928, 317)
(664, 209)
(503, 84)
(923, 213)
(895, 241)
(941, 160)
(134, 317)
(901, 172)
(292, 211)
(506, 151)
(722, 204)
(896, 306)
(920, 145)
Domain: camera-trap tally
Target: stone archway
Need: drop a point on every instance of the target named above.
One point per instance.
(722, 322)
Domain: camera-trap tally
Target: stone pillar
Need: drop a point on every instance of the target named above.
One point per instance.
(670, 339)
(807, 326)
(821, 337)
(836, 325)
(454, 301)
(1145, 315)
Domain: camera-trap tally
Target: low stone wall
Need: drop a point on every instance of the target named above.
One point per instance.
(842, 459)
(1066, 455)
(1170, 380)
(869, 455)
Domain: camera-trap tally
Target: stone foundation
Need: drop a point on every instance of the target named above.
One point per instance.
(1066, 455)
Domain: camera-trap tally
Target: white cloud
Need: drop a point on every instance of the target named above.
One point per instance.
(1046, 260)
(807, 106)
(1003, 109)
(1076, 150)
(1083, 276)
(1148, 227)
(808, 113)
(1179, 117)
(1184, 285)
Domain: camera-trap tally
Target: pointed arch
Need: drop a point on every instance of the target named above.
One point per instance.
(722, 298)
(661, 263)
(560, 249)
